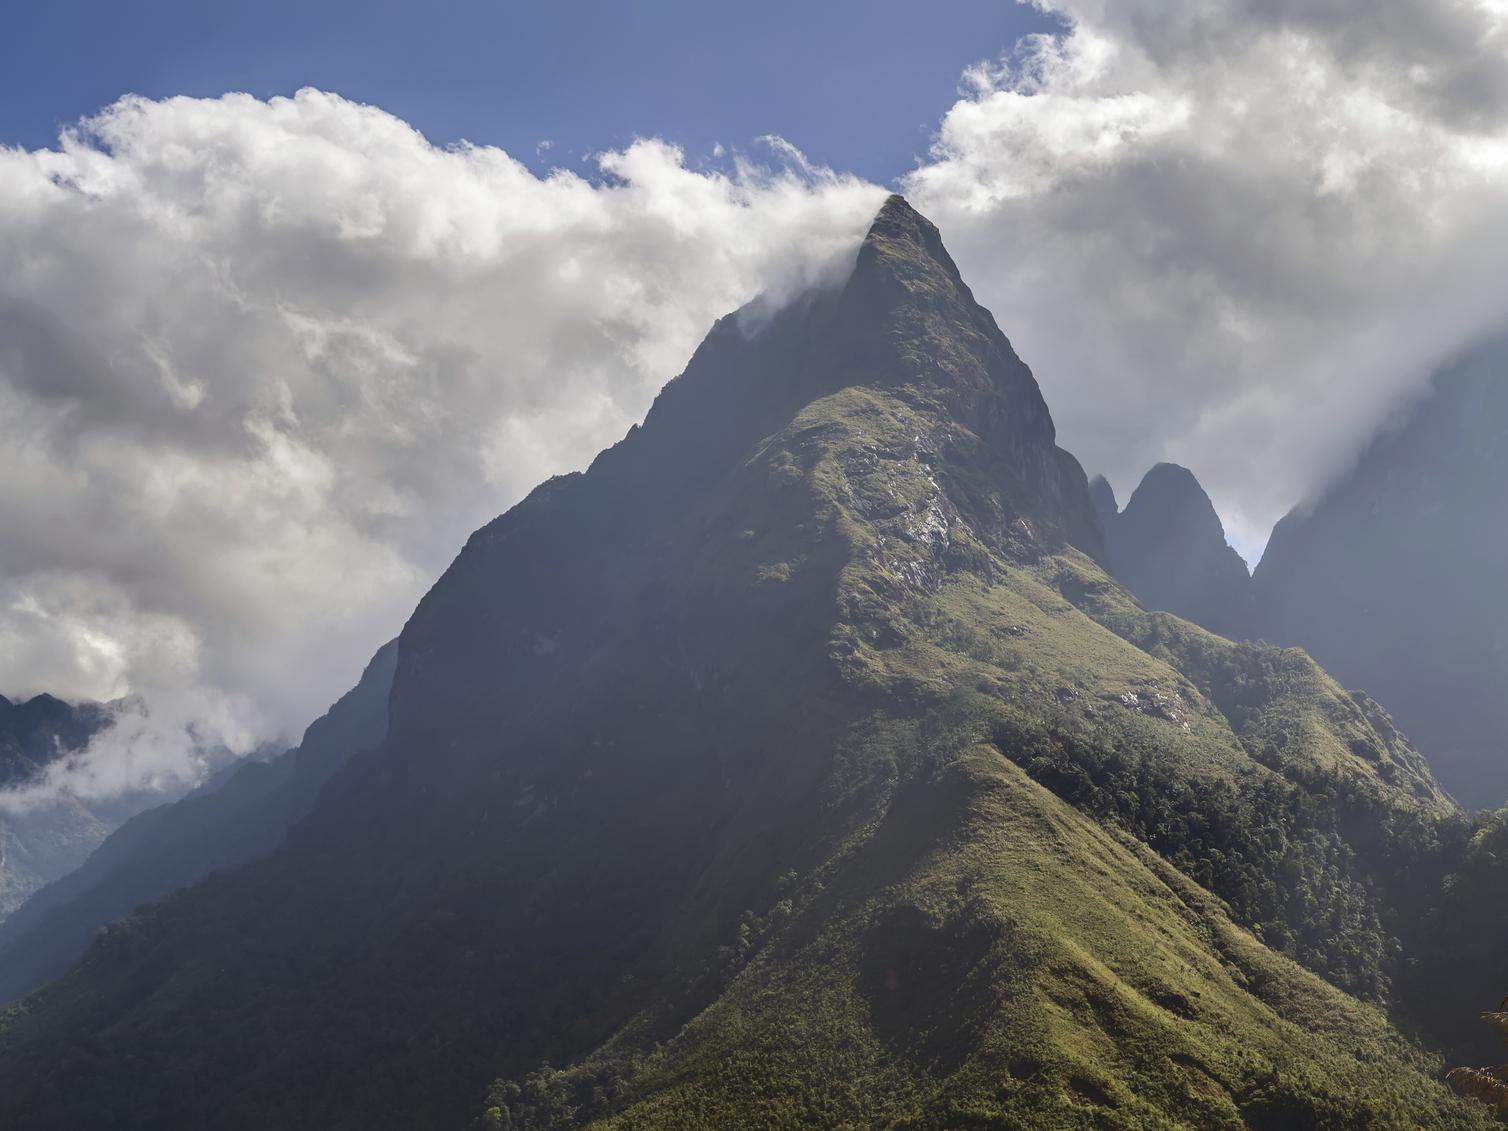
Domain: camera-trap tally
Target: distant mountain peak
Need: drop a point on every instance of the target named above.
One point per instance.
(1170, 497)
(1168, 547)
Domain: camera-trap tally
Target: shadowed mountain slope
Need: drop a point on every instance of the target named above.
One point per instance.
(170, 847)
(795, 765)
(1394, 578)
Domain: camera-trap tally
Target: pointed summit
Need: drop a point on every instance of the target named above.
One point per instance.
(916, 322)
(903, 323)
(906, 245)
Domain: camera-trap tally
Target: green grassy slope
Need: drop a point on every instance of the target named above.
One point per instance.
(1027, 969)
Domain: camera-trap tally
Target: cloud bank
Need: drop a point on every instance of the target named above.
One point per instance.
(1232, 233)
(264, 364)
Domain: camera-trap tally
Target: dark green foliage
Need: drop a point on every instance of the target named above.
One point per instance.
(1273, 849)
(1463, 939)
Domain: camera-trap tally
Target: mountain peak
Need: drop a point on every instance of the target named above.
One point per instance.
(904, 324)
(905, 248)
(1172, 477)
(786, 708)
(1168, 547)
(897, 224)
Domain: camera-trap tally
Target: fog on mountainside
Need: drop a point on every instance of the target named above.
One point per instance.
(1394, 578)
(42, 845)
(72, 773)
(800, 764)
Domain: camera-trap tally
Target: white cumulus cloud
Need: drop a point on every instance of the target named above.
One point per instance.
(264, 364)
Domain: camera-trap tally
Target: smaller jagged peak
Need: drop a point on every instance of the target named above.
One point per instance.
(1170, 493)
(1170, 477)
(1168, 547)
(1103, 492)
(43, 703)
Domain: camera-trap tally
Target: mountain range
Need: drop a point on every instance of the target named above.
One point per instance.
(1391, 577)
(809, 760)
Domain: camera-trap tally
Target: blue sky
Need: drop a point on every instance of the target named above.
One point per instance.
(856, 84)
(365, 347)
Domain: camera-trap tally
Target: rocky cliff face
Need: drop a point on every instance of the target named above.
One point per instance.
(1168, 547)
(1393, 578)
(762, 776)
